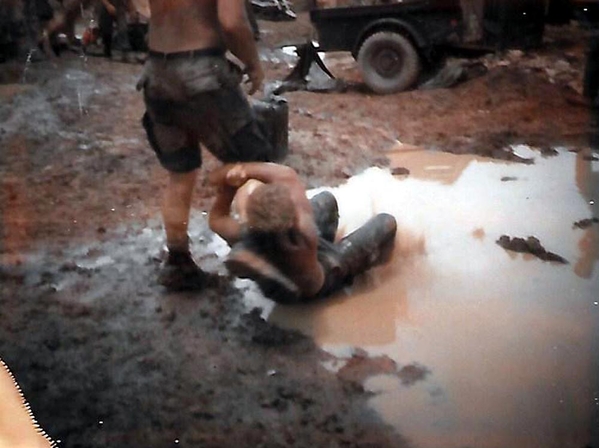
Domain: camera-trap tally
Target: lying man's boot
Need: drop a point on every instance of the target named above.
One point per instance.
(368, 246)
(179, 272)
(243, 262)
(326, 214)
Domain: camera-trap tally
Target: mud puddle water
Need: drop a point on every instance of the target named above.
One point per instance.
(506, 343)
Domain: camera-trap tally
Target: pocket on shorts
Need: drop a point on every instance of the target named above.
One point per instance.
(231, 74)
(208, 74)
(200, 75)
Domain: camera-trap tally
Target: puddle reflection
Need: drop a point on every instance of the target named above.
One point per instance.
(510, 341)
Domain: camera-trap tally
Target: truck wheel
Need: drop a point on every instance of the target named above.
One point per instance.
(388, 62)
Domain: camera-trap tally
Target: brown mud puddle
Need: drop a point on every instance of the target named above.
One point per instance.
(504, 343)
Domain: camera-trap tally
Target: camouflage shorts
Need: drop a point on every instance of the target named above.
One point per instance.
(198, 99)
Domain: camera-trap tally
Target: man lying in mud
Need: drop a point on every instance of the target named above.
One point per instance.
(284, 241)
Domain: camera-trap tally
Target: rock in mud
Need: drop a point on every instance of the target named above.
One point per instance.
(529, 245)
(586, 223)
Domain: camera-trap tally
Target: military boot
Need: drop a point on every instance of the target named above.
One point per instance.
(326, 214)
(244, 261)
(368, 246)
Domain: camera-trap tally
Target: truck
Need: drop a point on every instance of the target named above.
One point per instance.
(390, 42)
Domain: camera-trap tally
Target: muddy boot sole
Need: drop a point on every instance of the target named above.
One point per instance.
(273, 283)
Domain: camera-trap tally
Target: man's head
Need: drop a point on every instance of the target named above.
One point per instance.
(270, 209)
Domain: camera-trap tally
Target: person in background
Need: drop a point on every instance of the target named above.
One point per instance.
(193, 95)
(286, 242)
(119, 13)
(106, 16)
(64, 19)
(137, 25)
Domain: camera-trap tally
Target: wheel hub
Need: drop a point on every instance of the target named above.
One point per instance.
(387, 62)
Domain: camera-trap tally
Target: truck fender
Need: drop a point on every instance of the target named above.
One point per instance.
(397, 25)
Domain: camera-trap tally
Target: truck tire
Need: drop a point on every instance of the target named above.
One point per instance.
(389, 62)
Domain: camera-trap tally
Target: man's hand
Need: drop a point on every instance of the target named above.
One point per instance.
(256, 78)
(239, 39)
(236, 176)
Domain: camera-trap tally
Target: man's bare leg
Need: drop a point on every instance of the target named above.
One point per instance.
(179, 271)
(176, 206)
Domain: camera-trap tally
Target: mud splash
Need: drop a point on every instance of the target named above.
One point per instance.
(507, 340)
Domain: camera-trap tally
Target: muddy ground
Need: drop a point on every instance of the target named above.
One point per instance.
(104, 355)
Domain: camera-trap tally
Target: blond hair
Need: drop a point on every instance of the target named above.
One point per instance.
(270, 209)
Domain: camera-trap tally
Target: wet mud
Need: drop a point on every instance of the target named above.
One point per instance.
(475, 331)
(530, 245)
(586, 223)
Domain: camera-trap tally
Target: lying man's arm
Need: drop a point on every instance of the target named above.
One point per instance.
(220, 219)
(236, 174)
(233, 176)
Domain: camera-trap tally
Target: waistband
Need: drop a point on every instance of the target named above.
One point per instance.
(190, 54)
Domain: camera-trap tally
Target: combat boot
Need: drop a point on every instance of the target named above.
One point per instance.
(180, 272)
(368, 246)
(326, 214)
(245, 262)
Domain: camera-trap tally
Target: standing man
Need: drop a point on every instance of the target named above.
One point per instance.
(192, 95)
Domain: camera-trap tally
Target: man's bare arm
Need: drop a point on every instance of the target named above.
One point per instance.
(218, 177)
(220, 220)
(236, 174)
(109, 7)
(239, 39)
